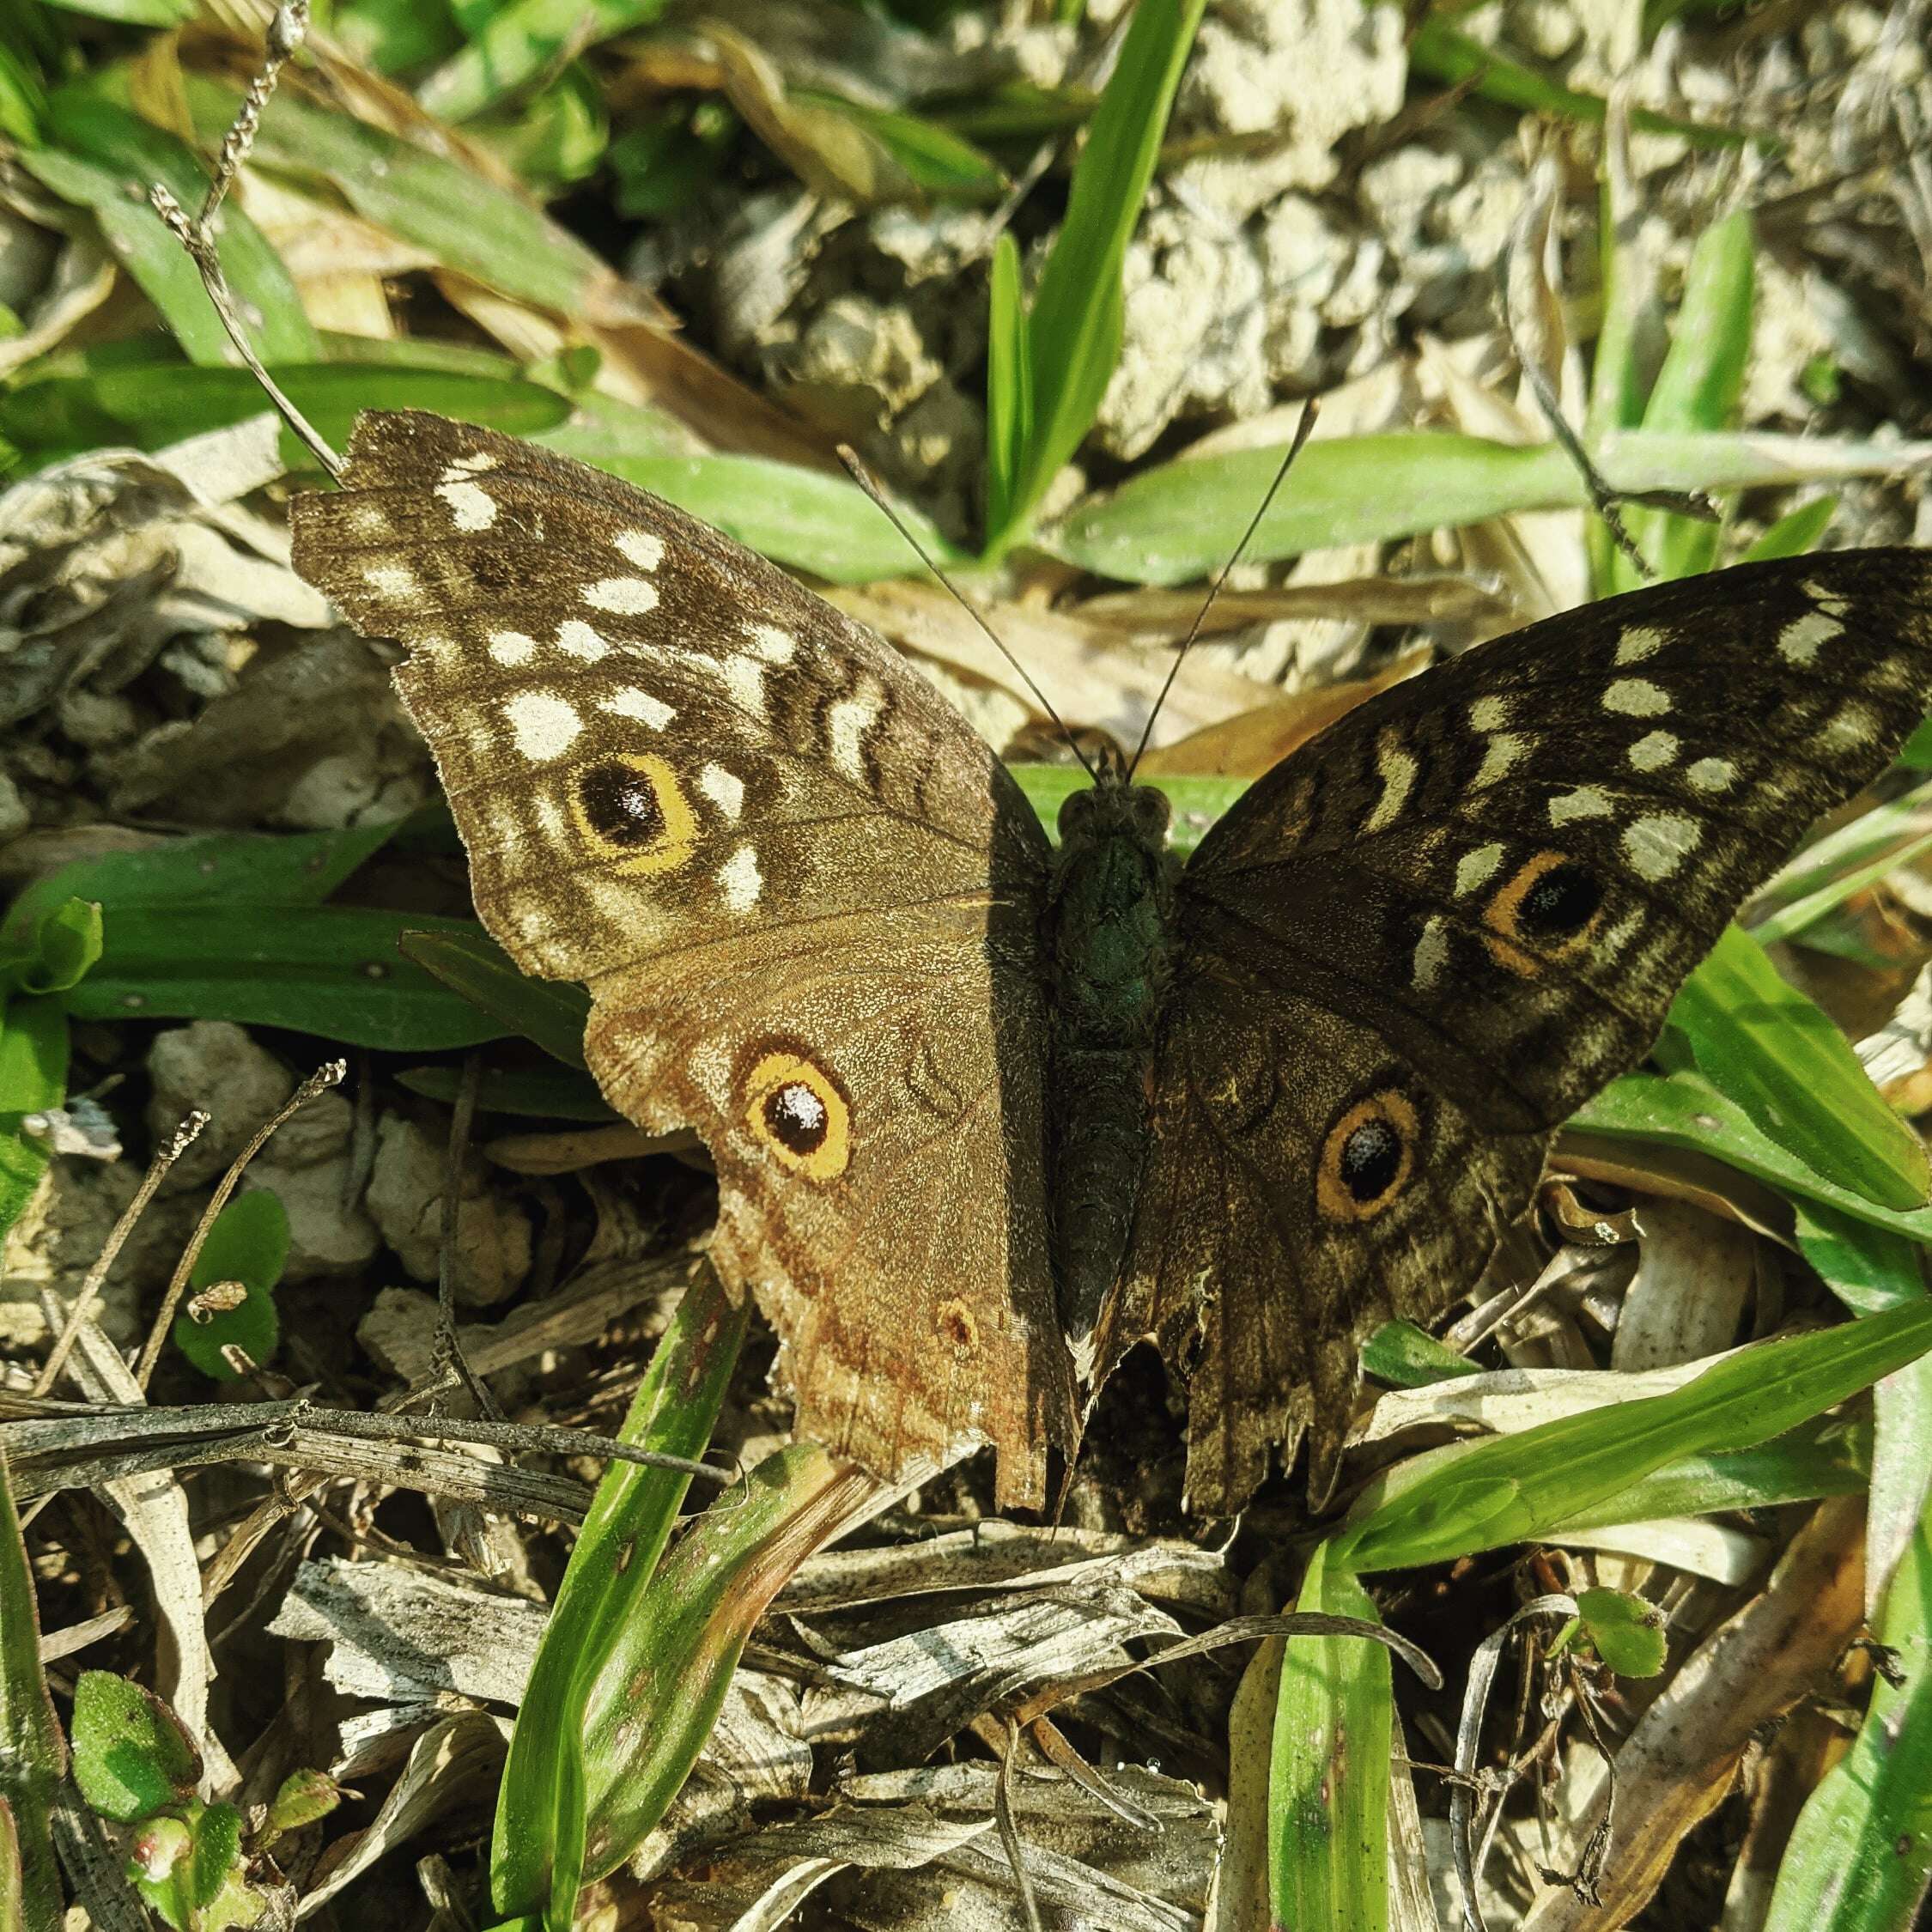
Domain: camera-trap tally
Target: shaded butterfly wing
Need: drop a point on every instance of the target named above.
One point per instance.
(1429, 935)
(802, 892)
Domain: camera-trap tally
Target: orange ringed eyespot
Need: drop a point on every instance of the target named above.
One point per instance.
(631, 810)
(1367, 1157)
(795, 1110)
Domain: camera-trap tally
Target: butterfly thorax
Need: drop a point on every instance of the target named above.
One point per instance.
(1108, 939)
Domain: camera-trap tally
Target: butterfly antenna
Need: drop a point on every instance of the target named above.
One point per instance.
(859, 473)
(1303, 430)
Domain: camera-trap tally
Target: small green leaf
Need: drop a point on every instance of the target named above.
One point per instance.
(217, 1854)
(1626, 1632)
(304, 1797)
(132, 1755)
(32, 1079)
(248, 1244)
(1399, 1354)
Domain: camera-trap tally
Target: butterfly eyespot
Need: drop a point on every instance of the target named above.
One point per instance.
(631, 809)
(1368, 1156)
(1548, 907)
(796, 1111)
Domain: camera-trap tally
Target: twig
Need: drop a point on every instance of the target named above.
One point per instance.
(448, 1358)
(177, 1144)
(319, 1082)
(196, 234)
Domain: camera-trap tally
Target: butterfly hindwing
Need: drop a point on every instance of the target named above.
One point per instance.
(1454, 916)
(800, 888)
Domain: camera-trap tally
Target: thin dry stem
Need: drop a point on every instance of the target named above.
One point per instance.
(319, 1082)
(178, 1142)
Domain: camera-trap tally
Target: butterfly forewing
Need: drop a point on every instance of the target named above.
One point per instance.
(800, 889)
(1459, 913)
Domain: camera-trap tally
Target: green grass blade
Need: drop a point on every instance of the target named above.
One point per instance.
(670, 1665)
(611, 1570)
(1446, 54)
(1009, 383)
(1698, 387)
(462, 220)
(1450, 1504)
(1870, 1268)
(1793, 534)
(520, 41)
(1328, 1774)
(1771, 1050)
(105, 157)
(1073, 330)
(1684, 1109)
(231, 868)
(1860, 1857)
(33, 1752)
(552, 1013)
(1179, 521)
(807, 518)
(337, 971)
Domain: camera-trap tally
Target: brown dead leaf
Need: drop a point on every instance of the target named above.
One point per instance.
(1254, 742)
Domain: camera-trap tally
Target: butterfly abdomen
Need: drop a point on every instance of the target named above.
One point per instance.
(1108, 936)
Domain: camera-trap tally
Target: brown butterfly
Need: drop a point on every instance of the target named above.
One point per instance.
(986, 1112)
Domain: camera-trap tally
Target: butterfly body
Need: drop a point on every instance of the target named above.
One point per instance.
(985, 1115)
(1108, 939)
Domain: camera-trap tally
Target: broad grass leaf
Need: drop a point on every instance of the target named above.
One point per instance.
(249, 1244)
(1768, 1047)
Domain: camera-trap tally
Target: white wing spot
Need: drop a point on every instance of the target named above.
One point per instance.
(393, 579)
(1637, 697)
(545, 727)
(1801, 639)
(1398, 768)
(1657, 845)
(473, 464)
(512, 646)
(369, 521)
(630, 702)
(1489, 714)
(1849, 725)
(470, 505)
(1653, 751)
(582, 640)
(744, 682)
(846, 726)
(742, 880)
(724, 789)
(639, 547)
(773, 645)
(1620, 935)
(1587, 801)
(626, 596)
(1638, 644)
(1828, 601)
(549, 817)
(1432, 953)
(1712, 774)
(1476, 868)
(1499, 753)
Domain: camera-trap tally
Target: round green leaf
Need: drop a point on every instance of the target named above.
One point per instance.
(131, 1755)
(248, 1244)
(1627, 1632)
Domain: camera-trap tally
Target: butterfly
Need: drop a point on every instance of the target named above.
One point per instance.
(987, 1112)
